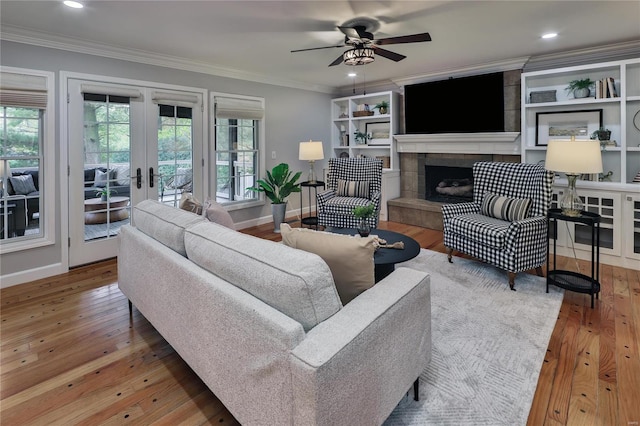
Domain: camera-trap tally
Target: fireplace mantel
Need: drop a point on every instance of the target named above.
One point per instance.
(507, 143)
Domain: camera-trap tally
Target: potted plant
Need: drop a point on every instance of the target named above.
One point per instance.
(580, 88)
(361, 138)
(105, 193)
(278, 185)
(601, 134)
(382, 107)
(363, 213)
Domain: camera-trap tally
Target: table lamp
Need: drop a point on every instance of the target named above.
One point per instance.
(311, 151)
(573, 158)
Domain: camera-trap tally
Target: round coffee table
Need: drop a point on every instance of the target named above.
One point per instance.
(385, 259)
(95, 210)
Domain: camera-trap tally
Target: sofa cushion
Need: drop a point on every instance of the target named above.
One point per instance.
(505, 208)
(353, 188)
(297, 283)
(215, 212)
(345, 205)
(485, 230)
(349, 258)
(164, 224)
(22, 184)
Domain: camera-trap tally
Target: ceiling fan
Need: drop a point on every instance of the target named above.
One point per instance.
(363, 46)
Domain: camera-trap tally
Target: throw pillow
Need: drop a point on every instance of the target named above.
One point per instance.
(22, 184)
(101, 178)
(190, 203)
(121, 174)
(505, 208)
(353, 188)
(214, 212)
(349, 258)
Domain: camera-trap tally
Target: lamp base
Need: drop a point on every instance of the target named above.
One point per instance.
(571, 204)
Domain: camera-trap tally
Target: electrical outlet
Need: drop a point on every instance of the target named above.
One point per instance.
(273, 155)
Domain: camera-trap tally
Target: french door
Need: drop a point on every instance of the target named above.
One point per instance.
(127, 143)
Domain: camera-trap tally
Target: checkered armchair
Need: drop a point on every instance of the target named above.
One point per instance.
(352, 182)
(506, 224)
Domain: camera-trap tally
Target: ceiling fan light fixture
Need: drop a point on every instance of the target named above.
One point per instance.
(358, 56)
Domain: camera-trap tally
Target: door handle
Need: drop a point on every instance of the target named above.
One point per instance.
(151, 175)
(139, 178)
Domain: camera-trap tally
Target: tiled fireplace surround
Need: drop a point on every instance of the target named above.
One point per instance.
(411, 207)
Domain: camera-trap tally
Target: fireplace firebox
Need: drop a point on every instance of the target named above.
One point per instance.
(446, 184)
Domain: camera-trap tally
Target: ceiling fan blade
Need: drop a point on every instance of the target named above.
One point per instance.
(414, 38)
(388, 54)
(316, 48)
(338, 61)
(352, 33)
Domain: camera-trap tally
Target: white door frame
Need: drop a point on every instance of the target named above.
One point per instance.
(139, 154)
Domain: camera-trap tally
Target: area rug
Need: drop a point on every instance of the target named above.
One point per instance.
(488, 344)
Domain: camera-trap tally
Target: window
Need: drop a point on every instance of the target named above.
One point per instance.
(26, 134)
(238, 147)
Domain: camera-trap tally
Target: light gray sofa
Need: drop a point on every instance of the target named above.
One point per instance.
(262, 324)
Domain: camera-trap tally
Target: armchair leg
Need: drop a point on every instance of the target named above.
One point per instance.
(449, 253)
(416, 390)
(539, 271)
(512, 277)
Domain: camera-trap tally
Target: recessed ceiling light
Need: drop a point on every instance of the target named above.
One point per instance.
(73, 4)
(352, 74)
(549, 35)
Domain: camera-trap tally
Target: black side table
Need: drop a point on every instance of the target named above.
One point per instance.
(311, 220)
(569, 280)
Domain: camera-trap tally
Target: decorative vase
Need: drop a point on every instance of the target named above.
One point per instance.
(278, 211)
(581, 93)
(363, 228)
(382, 110)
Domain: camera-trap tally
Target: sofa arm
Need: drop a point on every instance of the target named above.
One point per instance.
(528, 240)
(456, 209)
(323, 197)
(357, 365)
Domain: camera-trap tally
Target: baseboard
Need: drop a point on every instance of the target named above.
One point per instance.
(290, 217)
(32, 275)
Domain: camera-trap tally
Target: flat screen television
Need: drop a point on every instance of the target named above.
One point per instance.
(457, 105)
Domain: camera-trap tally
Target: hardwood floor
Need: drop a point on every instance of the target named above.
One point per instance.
(70, 355)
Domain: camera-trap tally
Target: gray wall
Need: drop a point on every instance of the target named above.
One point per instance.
(292, 116)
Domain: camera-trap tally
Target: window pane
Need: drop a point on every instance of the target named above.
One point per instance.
(20, 203)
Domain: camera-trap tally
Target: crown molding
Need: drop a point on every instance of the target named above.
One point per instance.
(591, 55)
(496, 66)
(21, 35)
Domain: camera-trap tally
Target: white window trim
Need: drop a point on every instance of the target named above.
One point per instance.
(236, 205)
(47, 178)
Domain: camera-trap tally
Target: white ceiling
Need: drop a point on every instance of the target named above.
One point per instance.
(254, 38)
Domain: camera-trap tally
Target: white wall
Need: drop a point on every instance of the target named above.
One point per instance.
(292, 115)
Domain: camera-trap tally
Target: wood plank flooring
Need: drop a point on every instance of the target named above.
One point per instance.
(70, 355)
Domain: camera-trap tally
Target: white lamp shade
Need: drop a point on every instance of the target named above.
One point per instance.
(571, 156)
(311, 151)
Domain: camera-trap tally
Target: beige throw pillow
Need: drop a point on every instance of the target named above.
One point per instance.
(349, 258)
(214, 212)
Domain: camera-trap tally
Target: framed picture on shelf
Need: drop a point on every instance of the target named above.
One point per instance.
(565, 124)
(379, 133)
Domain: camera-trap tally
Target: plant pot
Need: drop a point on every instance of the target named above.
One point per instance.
(603, 135)
(278, 211)
(103, 198)
(581, 93)
(363, 228)
(382, 110)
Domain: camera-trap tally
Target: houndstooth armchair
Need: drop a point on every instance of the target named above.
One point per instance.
(352, 182)
(506, 224)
